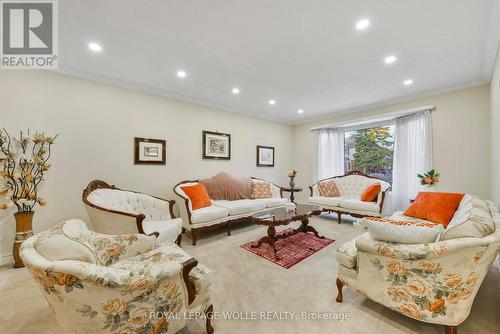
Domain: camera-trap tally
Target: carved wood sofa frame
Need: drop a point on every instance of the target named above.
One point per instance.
(227, 223)
(139, 218)
(341, 212)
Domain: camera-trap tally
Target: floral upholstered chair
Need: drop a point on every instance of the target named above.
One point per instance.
(433, 282)
(98, 283)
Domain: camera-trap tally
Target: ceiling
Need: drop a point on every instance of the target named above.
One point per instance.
(303, 54)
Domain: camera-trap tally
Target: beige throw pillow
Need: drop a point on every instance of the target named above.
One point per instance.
(328, 189)
(261, 189)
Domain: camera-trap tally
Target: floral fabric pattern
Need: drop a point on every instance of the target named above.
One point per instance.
(424, 290)
(110, 249)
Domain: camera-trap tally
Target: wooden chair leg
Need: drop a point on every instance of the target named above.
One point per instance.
(229, 229)
(340, 285)
(209, 314)
(450, 329)
(193, 236)
(179, 240)
(339, 218)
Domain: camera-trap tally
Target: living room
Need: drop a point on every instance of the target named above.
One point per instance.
(247, 137)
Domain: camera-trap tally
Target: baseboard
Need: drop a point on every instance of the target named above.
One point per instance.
(6, 259)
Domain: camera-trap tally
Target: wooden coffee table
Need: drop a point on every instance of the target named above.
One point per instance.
(282, 217)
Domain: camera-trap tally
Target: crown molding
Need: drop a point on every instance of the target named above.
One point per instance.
(107, 80)
(389, 102)
(188, 99)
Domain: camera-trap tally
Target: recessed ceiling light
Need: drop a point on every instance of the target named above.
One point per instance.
(390, 59)
(408, 82)
(300, 111)
(181, 74)
(95, 47)
(272, 102)
(235, 91)
(362, 24)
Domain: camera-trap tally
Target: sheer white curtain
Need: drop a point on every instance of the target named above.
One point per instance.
(329, 153)
(412, 156)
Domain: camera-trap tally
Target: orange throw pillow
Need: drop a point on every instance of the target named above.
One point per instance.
(435, 207)
(198, 196)
(371, 192)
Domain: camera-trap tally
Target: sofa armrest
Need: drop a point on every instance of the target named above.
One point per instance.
(114, 222)
(412, 252)
(110, 249)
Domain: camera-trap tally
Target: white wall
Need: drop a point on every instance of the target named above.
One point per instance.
(97, 124)
(495, 129)
(461, 139)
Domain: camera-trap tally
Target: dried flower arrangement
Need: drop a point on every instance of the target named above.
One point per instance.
(23, 163)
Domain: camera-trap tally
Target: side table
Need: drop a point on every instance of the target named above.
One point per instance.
(291, 191)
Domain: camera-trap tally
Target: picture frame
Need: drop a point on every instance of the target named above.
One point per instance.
(150, 151)
(216, 145)
(265, 156)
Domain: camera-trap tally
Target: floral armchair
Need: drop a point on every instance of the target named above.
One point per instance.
(98, 283)
(435, 282)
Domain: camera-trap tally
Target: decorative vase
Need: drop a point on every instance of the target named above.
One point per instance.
(430, 188)
(292, 183)
(24, 230)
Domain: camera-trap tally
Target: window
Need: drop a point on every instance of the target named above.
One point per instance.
(370, 150)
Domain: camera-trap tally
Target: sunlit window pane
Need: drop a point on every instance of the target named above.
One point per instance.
(370, 151)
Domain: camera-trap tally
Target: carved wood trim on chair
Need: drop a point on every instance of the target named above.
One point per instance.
(187, 266)
(209, 314)
(450, 329)
(186, 199)
(340, 296)
(99, 184)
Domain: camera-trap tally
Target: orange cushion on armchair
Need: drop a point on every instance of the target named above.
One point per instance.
(198, 196)
(371, 192)
(436, 207)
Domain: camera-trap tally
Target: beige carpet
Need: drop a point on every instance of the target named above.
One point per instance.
(245, 282)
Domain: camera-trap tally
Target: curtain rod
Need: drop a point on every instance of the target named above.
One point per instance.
(373, 119)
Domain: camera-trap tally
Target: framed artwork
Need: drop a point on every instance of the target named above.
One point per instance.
(265, 156)
(216, 145)
(150, 151)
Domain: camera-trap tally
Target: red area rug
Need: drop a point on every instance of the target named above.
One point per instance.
(291, 250)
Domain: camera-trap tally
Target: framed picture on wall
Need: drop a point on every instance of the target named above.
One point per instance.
(150, 151)
(216, 145)
(265, 156)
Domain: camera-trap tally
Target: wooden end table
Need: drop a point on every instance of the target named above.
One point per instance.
(281, 217)
(291, 191)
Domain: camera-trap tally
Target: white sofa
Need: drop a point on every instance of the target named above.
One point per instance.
(350, 185)
(434, 282)
(98, 283)
(223, 212)
(115, 211)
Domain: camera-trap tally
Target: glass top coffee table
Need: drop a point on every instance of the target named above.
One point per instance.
(282, 217)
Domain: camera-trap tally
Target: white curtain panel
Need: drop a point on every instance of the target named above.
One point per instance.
(412, 156)
(329, 153)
